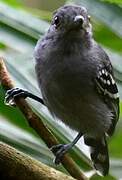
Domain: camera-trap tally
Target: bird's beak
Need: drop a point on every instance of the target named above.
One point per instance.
(79, 20)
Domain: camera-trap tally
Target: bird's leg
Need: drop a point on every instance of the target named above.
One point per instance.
(17, 92)
(61, 149)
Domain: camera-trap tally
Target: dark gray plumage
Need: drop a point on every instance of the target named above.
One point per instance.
(76, 80)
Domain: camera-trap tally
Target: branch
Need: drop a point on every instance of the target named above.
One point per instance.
(16, 165)
(36, 123)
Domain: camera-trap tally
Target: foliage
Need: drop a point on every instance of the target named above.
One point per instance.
(19, 31)
(113, 1)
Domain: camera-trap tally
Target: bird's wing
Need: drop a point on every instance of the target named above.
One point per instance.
(107, 88)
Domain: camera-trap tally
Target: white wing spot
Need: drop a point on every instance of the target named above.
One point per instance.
(108, 82)
(104, 81)
(106, 73)
(112, 80)
(100, 73)
(103, 71)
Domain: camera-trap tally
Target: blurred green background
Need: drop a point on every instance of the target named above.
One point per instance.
(22, 22)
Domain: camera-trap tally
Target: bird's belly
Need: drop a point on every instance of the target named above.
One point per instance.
(77, 106)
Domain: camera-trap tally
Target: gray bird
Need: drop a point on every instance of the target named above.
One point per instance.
(77, 83)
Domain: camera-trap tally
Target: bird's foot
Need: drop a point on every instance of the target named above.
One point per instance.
(12, 94)
(59, 151)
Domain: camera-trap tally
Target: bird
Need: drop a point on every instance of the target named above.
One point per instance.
(77, 83)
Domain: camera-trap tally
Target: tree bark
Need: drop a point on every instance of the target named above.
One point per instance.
(15, 165)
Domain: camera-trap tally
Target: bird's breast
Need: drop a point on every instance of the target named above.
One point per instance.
(68, 89)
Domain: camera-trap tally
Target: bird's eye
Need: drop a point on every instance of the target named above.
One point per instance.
(56, 21)
(89, 17)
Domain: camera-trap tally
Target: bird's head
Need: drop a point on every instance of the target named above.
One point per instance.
(71, 18)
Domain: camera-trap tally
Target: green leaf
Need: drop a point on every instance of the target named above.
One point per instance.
(113, 1)
(19, 20)
(2, 46)
(105, 36)
(13, 3)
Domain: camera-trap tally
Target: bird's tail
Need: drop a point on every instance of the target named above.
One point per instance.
(99, 154)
